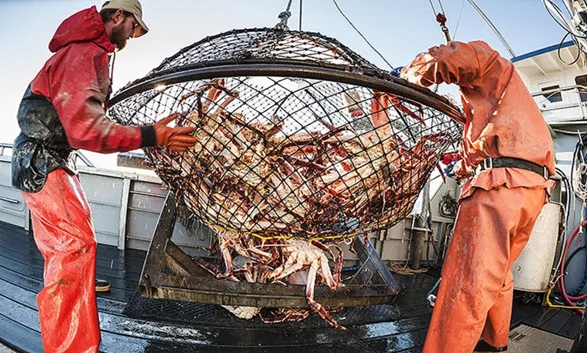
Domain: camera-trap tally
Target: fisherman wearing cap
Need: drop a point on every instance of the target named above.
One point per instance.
(62, 110)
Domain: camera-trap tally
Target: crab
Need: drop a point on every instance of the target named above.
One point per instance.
(303, 255)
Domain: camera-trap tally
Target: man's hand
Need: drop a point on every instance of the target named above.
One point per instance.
(174, 138)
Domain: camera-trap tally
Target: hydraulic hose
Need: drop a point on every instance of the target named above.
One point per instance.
(570, 299)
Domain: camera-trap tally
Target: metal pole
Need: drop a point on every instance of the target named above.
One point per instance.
(421, 230)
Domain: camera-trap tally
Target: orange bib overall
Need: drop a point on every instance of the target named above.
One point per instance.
(64, 234)
(499, 206)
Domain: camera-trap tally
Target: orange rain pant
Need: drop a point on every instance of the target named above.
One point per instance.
(476, 293)
(64, 234)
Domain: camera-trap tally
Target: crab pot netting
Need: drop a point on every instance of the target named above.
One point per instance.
(288, 155)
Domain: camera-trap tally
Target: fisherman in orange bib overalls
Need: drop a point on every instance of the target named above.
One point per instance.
(507, 155)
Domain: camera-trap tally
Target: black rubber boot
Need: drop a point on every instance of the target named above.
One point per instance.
(484, 347)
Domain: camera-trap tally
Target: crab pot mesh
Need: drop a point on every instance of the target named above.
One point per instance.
(289, 155)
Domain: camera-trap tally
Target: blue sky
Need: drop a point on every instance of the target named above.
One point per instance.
(399, 29)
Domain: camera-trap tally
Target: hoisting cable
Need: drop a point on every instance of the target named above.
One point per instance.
(492, 26)
(361, 34)
(454, 33)
(300, 27)
(283, 17)
(441, 19)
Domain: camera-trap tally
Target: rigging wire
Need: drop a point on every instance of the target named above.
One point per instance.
(361, 34)
(561, 20)
(300, 27)
(441, 7)
(432, 5)
(454, 33)
(441, 19)
(559, 17)
(493, 27)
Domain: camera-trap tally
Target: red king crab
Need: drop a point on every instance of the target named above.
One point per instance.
(252, 177)
(290, 261)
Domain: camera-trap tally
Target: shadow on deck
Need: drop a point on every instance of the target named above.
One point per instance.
(130, 323)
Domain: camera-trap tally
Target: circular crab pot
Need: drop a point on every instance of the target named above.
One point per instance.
(298, 136)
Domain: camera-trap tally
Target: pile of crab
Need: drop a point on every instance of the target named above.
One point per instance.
(274, 197)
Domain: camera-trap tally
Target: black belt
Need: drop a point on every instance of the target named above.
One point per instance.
(507, 162)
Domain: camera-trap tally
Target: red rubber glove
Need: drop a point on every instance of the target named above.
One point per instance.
(450, 157)
(174, 138)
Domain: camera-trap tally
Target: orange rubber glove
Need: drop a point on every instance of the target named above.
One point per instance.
(174, 138)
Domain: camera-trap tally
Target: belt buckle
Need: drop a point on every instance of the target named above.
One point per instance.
(487, 163)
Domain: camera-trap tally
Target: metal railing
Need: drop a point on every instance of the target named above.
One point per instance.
(577, 91)
(79, 154)
(4, 146)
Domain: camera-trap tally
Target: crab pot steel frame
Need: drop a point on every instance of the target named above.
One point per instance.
(299, 138)
(169, 273)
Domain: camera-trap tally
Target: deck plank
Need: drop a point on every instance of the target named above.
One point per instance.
(572, 327)
(37, 274)
(522, 312)
(540, 317)
(19, 336)
(558, 321)
(21, 273)
(105, 260)
(34, 286)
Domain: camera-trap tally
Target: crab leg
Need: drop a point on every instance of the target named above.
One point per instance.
(400, 105)
(317, 307)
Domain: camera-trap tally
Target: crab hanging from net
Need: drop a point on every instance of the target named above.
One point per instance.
(281, 151)
(299, 138)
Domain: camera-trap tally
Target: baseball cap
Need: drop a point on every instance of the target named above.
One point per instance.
(132, 6)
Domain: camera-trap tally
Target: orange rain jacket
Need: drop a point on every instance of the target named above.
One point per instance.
(502, 118)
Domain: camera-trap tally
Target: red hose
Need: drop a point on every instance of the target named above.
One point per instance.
(561, 285)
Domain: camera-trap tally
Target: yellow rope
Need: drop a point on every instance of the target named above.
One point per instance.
(265, 238)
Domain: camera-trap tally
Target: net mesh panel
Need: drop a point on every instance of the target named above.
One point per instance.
(265, 43)
(290, 157)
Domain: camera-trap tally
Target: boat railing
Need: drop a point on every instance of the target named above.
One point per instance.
(4, 147)
(576, 97)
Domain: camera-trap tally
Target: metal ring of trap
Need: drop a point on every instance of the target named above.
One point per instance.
(291, 189)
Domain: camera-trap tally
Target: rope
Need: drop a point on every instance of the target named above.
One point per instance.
(493, 27)
(404, 269)
(361, 34)
(554, 306)
(264, 238)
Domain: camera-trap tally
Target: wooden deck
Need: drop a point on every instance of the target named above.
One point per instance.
(403, 330)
